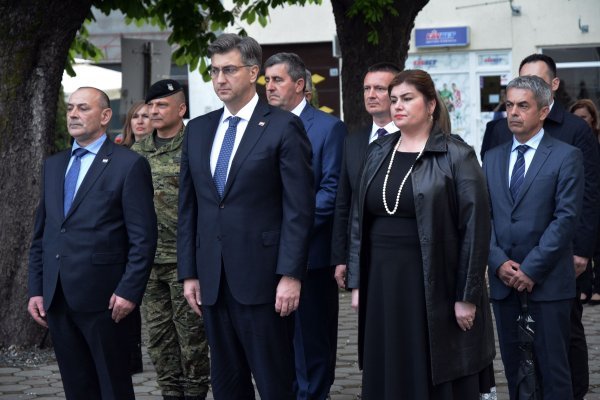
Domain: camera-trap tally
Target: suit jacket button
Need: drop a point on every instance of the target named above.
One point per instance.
(222, 205)
(57, 256)
(63, 230)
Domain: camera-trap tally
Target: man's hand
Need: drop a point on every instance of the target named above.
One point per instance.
(340, 275)
(36, 310)
(288, 295)
(464, 313)
(354, 303)
(580, 265)
(507, 271)
(191, 292)
(521, 281)
(120, 307)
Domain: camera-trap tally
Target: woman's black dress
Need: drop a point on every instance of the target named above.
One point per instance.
(396, 357)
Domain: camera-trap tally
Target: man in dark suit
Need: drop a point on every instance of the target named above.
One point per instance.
(315, 339)
(246, 208)
(535, 184)
(568, 128)
(93, 245)
(377, 104)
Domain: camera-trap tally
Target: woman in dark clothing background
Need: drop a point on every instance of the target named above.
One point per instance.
(420, 232)
(589, 282)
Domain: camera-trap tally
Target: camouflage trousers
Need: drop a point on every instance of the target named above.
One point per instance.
(176, 340)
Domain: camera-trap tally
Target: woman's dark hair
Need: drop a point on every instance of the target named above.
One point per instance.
(422, 81)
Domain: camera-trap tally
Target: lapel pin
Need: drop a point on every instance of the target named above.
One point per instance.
(261, 123)
(105, 160)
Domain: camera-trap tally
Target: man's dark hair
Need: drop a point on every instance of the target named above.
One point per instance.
(543, 58)
(295, 66)
(384, 66)
(248, 47)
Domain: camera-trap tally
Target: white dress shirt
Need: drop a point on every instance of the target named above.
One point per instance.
(533, 144)
(244, 114)
(390, 128)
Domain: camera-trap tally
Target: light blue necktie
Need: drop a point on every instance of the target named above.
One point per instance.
(71, 178)
(518, 173)
(220, 176)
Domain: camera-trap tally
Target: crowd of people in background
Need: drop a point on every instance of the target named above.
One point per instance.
(234, 233)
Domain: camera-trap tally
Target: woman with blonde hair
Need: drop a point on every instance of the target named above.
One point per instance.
(137, 125)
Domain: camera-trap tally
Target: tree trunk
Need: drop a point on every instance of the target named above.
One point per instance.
(35, 36)
(359, 54)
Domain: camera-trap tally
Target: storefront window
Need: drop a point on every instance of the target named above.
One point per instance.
(579, 72)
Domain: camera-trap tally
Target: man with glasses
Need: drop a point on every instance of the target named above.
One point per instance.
(246, 207)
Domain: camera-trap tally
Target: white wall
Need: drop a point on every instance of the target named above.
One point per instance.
(542, 23)
(295, 24)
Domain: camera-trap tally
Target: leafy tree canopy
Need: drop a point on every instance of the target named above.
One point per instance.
(195, 23)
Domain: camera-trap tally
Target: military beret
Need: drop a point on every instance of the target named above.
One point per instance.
(163, 88)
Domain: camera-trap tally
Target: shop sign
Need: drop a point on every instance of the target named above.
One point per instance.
(442, 37)
(489, 60)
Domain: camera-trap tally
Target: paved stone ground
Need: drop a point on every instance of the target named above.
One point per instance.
(43, 381)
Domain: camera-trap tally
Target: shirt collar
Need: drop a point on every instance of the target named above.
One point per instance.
(390, 128)
(299, 108)
(93, 147)
(534, 142)
(245, 112)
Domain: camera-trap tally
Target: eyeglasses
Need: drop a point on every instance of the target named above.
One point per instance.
(227, 70)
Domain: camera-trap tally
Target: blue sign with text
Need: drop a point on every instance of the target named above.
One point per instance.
(442, 37)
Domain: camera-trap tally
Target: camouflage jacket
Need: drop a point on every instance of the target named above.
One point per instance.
(164, 163)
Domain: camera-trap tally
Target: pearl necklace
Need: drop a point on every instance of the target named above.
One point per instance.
(387, 174)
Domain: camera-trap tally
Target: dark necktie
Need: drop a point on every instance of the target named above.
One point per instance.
(220, 176)
(381, 133)
(518, 173)
(71, 178)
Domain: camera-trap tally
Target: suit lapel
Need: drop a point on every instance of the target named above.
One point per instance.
(540, 157)
(100, 162)
(504, 166)
(254, 130)
(307, 115)
(59, 182)
(206, 145)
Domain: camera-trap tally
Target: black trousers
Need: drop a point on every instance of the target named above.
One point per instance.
(92, 352)
(248, 341)
(578, 351)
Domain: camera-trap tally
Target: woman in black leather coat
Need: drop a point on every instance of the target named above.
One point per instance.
(420, 232)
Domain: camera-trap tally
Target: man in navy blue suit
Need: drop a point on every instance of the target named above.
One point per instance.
(570, 129)
(535, 184)
(377, 104)
(246, 208)
(93, 246)
(315, 339)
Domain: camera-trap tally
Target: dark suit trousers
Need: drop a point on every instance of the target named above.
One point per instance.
(246, 341)
(550, 345)
(315, 337)
(578, 351)
(92, 351)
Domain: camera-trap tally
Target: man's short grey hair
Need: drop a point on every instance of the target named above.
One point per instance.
(308, 83)
(248, 47)
(542, 92)
(295, 65)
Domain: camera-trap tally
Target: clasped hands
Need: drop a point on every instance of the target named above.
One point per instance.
(511, 275)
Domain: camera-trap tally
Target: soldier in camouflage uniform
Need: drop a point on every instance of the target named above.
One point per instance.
(176, 342)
